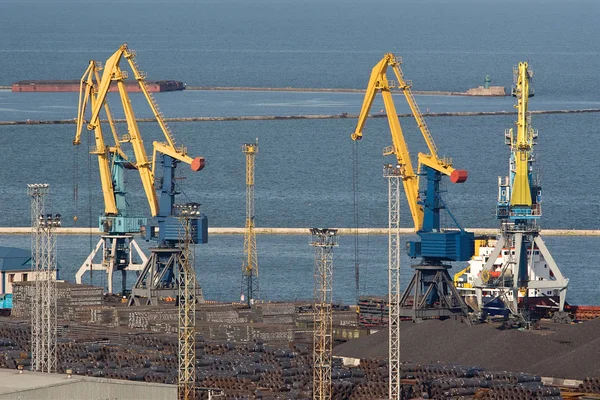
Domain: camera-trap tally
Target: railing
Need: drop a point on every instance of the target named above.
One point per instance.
(389, 150)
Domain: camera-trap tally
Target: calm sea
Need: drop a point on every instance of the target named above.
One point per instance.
(304, 167)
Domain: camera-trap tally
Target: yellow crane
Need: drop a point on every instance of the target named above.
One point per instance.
(88, 94)
(116, 223)
(113, 72)
(431, 281)
(522, 143)
(170, 270)
(410, 179)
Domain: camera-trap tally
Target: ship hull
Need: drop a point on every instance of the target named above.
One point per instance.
(74, 86)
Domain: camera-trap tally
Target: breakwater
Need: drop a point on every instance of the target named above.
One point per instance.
(302, 231)
(318, 90)
(309, 90)
(295, 117)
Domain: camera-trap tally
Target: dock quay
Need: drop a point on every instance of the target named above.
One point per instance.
(302, 231)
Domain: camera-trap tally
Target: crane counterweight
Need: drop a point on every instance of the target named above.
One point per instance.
(459, 176)
(197, 164)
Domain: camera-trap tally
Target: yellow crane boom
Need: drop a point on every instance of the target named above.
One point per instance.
(146, 168)
(88, 94)
(379, 82)
(523, 142)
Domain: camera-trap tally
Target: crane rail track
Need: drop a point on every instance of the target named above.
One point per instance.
(18, 230)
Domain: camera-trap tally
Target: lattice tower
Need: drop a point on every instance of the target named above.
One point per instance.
(43, 266)
(186, 283)
(394, 177)
(324, 240)
(250, 265)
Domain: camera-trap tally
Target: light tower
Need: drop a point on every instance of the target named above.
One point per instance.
(43, 267)
(324, 240)
(250, 264)
(394, 176)
(186, 284)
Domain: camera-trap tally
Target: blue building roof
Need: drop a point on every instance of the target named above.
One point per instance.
(14, 259)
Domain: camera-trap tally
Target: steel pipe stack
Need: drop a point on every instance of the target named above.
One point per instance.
(259, 370)
(590, 385)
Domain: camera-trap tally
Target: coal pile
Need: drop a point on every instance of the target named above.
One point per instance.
(562, 351)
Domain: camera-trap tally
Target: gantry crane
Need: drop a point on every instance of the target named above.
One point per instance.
(520, 270)
(116, 223)
(169, 272)
(157, 279)
(431, 292)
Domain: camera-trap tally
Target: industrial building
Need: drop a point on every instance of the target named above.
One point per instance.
(29, 385)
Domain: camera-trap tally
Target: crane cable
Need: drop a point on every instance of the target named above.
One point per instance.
(75, 171)
(355, 195)
(89, 180)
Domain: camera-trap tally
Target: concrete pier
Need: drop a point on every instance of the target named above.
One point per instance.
(302, 231)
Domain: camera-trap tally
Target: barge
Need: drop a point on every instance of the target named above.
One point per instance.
(74, 86)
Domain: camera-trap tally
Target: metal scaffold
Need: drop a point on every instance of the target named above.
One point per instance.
(43, 267)
(250, 289)
(324, 240)
(186, 284)
(394, 176)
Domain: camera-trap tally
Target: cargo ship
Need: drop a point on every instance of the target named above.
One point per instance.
(539, 269)
(74, 85)
(542, 302)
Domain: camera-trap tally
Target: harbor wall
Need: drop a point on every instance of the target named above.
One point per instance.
(303, 231)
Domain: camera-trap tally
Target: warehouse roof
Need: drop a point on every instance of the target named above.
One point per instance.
(37, 385)
(14, 259)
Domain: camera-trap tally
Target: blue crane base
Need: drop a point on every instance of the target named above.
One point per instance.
(431, 294)
(443, 246)
(157, 281)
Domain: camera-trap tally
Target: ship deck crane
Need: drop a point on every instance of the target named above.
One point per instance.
(117, 243)
(529, 270)
(430, 292)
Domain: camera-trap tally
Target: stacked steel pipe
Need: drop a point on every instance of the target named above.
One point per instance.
(463, 382)
(259, 370)
(590, 385)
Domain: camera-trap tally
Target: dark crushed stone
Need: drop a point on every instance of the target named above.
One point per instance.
(562, 351)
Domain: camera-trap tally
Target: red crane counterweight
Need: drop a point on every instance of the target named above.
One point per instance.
(459, 176)
(197, 164)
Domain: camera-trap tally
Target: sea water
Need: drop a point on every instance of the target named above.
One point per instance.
(304, 168)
